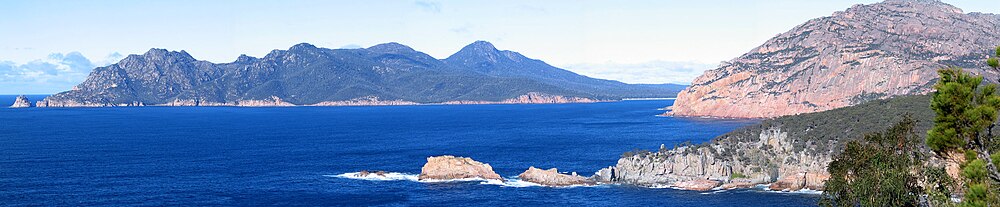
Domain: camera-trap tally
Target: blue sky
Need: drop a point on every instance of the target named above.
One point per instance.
(633, 41)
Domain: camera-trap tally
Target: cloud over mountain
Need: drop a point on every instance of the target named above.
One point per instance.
(56, 72)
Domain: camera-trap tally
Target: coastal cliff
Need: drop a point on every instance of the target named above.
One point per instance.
(789, 153)
(863, 53)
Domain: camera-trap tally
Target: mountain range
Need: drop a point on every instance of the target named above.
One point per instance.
(384, 74)
(866, 52)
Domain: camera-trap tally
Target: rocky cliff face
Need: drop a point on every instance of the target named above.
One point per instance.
(763, 161)
(865, 52)
(789, 153)
(21, 102)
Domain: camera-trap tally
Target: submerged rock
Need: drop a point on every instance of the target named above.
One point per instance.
(21, 102)
(552, 177)
(365, 173)
(698, 185)
(449, 167)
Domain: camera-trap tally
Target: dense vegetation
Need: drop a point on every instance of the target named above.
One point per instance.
(882, 159)
(888, 169)
(825, 132)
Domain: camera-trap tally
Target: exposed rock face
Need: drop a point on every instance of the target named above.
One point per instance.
(449, 167)
(792, 152)
(799, 181)
(552, 177)
(866, 52)
(769, 159)
(305, 75)
(21, 102)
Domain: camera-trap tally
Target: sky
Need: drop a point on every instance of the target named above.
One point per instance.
(655, 41)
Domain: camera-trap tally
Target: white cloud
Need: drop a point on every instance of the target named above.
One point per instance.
(429, 6)
(648, 72)
(57, 72)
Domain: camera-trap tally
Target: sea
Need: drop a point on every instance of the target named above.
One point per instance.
(305, 156)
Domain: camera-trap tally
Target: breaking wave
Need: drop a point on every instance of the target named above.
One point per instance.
(396, 176)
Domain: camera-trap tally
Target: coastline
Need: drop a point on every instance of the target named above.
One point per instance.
(530, 98)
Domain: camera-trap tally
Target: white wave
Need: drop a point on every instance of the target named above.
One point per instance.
(390, 176)
(395, 176)
(715, 190)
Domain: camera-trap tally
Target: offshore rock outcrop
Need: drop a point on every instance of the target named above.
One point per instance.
(449, 167)
(552, 177)
(21, 102)
(865, 52)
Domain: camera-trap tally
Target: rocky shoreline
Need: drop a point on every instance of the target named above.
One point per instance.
(448, 168)
(274, 101)
(769, 160)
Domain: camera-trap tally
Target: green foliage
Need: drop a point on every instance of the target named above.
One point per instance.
(964, 108)
(938, 186)
(737, 175)
(635, 152)
(975, 171)
(993, 62)
(887, 160)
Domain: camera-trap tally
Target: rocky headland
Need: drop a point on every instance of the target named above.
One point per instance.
(788, 153)
(21, 102)
(866, 52)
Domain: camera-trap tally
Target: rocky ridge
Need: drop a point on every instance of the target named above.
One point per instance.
(865, 52)
(306, 75)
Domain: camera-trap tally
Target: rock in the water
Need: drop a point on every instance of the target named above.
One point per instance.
(21, 102)
(552, 177)
(449, 167)
(698, 185)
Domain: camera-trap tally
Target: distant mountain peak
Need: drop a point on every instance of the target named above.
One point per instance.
(302, 46)
(391, 47)
(244, 58)
(158, 53)
(482, 45)
(908, 6)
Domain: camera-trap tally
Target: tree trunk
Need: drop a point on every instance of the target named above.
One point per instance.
(983, 153)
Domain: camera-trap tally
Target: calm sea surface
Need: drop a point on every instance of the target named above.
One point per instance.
(295, 156)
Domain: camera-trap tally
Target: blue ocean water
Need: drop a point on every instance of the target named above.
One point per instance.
(291, 156)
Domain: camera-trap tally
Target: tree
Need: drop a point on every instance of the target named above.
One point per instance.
(994, 61)
(966, 112)
(877, 170)
(965, 109)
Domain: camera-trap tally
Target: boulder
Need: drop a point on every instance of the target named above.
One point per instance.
(552, 177)
(449, 167)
